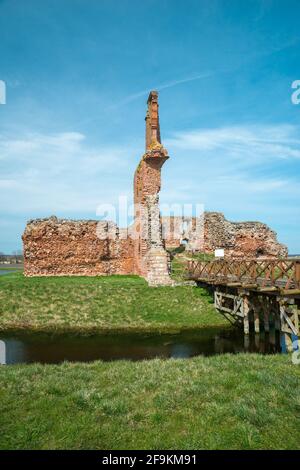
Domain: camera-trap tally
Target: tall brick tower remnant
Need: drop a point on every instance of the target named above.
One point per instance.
(151, 258)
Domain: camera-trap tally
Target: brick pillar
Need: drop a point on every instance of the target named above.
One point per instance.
(152, 121)
(150, 256)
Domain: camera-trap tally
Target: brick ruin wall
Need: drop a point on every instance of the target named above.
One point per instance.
(213, 231)
(146, 188)
(151, 258)
(60, 247)
(57, 247)
(241, 239)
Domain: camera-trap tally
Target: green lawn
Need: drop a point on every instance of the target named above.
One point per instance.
(179, 262)
(90, 304)
(8, 267)
(222, 402)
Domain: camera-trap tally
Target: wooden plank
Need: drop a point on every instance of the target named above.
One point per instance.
(238, 307)
(224, 309)
(250, 286)
(290, 291)
(229, 296)
(285, 318)
(217, 300)
(268, 289)
(288, 342)
(228, 317)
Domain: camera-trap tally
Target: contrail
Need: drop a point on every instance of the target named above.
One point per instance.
(162, 86)
(139, 94)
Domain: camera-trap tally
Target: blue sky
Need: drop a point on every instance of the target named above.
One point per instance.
(78, 72)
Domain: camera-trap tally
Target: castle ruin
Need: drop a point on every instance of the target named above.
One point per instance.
(59, 247)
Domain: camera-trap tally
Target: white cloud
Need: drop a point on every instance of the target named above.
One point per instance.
(66, 141)
(250, 142)
(250, 185)
(249, 172)
(8, 183)
(60, 172)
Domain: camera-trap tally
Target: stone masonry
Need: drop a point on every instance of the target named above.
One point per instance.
(56, 247)
(151, 258)
(213, 231)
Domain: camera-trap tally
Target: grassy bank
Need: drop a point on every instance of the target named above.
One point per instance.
(9, 267)
(222, 402)
(179, 262)
(94, 304)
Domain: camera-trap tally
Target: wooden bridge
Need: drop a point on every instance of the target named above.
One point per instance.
(258, 292)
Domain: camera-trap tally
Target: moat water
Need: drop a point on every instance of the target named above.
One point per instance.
(44, 348)
(4, 271)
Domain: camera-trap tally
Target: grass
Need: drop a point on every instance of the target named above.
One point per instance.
(179, 260)
(221, 402)
(10, 268)
(101, 304)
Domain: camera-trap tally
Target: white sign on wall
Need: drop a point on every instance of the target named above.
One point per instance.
(219, 253)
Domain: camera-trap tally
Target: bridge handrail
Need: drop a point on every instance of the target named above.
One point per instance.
(265, 271)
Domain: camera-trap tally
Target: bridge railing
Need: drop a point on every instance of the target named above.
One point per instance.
(284, 273)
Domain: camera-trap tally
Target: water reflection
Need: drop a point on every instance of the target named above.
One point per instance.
(2, 352)
(27, 348)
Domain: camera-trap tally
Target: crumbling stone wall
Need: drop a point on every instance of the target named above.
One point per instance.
(178, 230)
(76, 247)
(212, 231)
(241, 239)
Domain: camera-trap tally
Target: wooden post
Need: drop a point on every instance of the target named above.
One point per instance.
(272, 337)
(276, 313)
(288, 342)
(284, 327)
(266, 316)
(257, 340)
(246, 314)
(256, 321)
(246, 343)
(296, 323)
(296, 319)
(256, 314)
(297, 274)
(277, 321)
